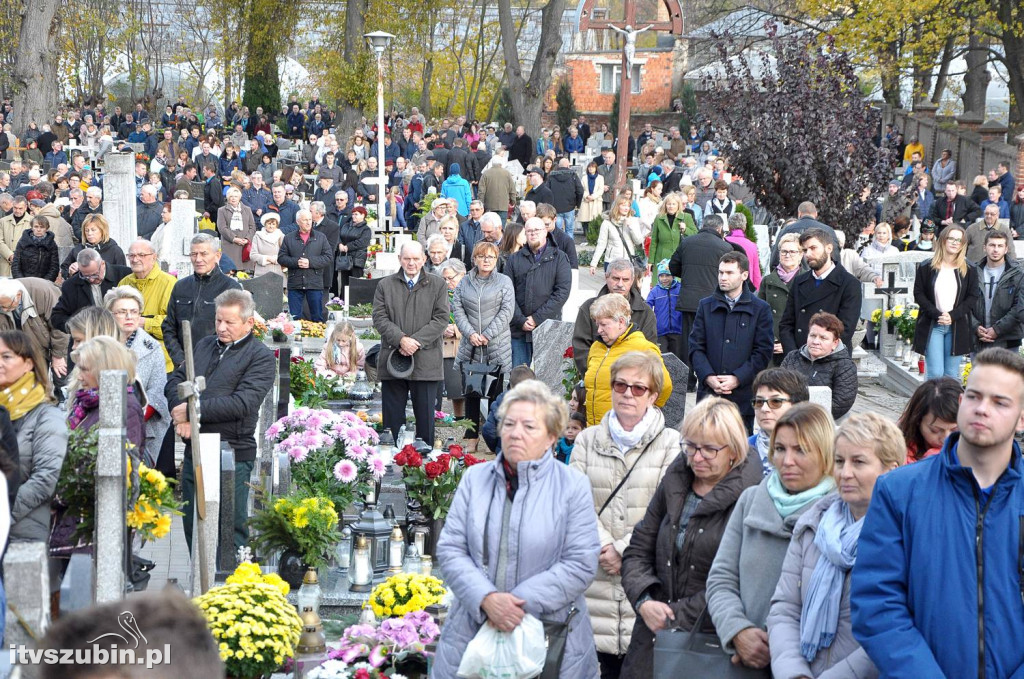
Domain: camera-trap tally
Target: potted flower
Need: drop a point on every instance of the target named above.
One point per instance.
(281, 328)
(304, 528)
(398, 643)
(338, 669)
(404, 593)
(253, 623)
(333, 455)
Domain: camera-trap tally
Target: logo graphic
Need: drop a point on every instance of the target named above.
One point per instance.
(126, 621)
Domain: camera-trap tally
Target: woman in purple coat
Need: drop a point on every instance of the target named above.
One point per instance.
(521, 537)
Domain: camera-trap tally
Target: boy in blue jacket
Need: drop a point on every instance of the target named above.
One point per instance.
(938, 584)
(662, 298)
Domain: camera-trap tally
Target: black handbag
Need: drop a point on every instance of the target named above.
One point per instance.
(639, 262)
(344, 263)
(481, 380)
(679, 654)
(556, 634)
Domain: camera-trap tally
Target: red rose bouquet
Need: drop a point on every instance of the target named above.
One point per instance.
(432, 483)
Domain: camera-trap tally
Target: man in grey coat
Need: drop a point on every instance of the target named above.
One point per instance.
(410, 311)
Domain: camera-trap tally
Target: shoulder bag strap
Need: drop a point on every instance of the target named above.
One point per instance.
(626, 477)
(622, 239)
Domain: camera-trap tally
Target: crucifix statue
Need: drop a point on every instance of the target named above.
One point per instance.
(629, 48)
(674, 25)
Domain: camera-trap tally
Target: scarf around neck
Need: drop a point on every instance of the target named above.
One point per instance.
(836, 539)
(786, 276)
(85, 400)
(787, 504)
(626, 440)
(22, 396)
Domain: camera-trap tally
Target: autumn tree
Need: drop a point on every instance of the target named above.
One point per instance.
(793, 123)
(526, 91)
(34, 79)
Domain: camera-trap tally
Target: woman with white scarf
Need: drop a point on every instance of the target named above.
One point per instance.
(879, 247)
(236, 227)
(809, 629)
(625, 457)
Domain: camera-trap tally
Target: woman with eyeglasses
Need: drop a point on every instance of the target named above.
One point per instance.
(125, 303)
(624, 457)
(482, 306)
(668, 556)
(775, 286)
(946, 289)
(749, 559)
(617, 337)
(776, 390)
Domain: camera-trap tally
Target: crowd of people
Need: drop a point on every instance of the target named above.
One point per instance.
(744, 521)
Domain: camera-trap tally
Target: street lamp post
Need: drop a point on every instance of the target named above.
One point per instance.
(378, 42)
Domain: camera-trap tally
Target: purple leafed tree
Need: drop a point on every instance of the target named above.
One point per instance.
(792, 121)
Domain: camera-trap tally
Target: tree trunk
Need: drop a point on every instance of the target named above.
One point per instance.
(890, 74)
(1013, 48)
(527, 95)
(977, 77)
(943, 77)
(35, 74)
(349, 116)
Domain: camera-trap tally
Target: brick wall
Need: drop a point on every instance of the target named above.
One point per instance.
(584, 73)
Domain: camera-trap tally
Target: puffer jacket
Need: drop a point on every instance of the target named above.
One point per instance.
(836, 371)
(36, 259)
(1007, 314)
(552, 546)
(653, 566)
(603, 463)
(584, 334)
(485, 306)
(663, 303)
(844, 658)
(748, 563)
(42, 445)
(598, 377)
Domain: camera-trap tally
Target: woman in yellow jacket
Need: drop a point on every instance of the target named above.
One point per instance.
(611, 313)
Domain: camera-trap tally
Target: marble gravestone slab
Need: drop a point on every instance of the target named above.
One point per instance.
(267, 292)
(675, 408)
(550, 340)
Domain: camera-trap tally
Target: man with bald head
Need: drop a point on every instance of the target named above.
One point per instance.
(410, 311)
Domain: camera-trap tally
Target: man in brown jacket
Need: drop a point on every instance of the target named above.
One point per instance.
(410, 311)
(497, 189)
(26, 304)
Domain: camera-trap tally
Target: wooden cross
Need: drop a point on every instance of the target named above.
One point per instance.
(628, 27)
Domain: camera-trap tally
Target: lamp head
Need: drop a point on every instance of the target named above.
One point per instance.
(378, 41)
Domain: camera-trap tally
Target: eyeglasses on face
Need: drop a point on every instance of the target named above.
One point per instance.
(128, 313)
(789, 253)
(637, 390)
(140, 255)
(486, 258)
(774, 403)
(709, 452)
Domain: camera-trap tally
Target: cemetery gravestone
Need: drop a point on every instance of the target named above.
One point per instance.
(119, 197)
(177, 236)
(550, 340)
(111, 499)
(226, 561)
(25, 563)
(207, 530)
(267, 292)
(675, 408)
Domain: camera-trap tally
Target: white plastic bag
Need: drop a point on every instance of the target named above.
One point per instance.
(499, 655)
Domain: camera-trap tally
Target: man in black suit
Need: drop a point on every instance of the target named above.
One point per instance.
(806, 219)
(952, 208)
(826, 286)
(329, 228)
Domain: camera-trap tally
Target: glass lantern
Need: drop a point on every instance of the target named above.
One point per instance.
(343, 551)
(360, 574)
(310, 592)
(413, 564)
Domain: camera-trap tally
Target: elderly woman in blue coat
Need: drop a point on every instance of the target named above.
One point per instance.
(521, 537)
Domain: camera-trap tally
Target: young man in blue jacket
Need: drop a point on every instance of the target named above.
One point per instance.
(938, 586)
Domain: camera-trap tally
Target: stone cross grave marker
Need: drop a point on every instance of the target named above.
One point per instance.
(111, 490)
(898, 272)
(267, 293)
(890, 293)
(25, 563)
(174, 247)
